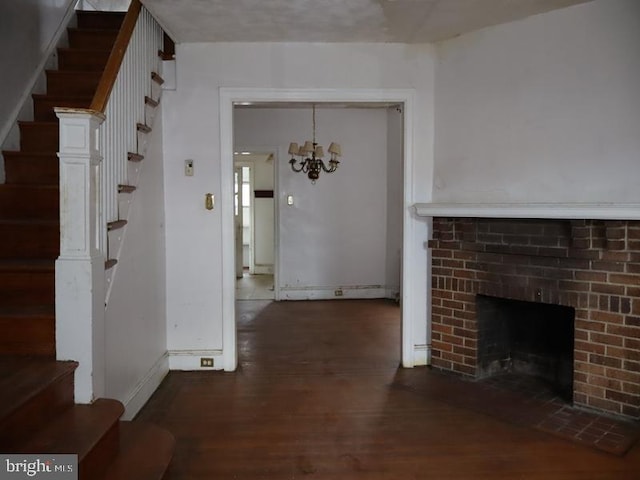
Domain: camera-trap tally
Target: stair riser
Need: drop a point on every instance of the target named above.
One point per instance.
(92, 39)
(43, 106)
(32, 169)
(29, 241)
(72, 83)
(84, 61)
(39, 137)
(34, 413)
(28, 336)
(27, 288)
(106, 20)
(29, 203)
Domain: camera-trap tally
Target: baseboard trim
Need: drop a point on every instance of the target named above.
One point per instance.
(421, 355)
(263, 270)
(145, 387)
(189, 360)
(329, 293)
(393, 293)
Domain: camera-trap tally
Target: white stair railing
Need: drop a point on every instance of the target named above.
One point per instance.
(95, 144)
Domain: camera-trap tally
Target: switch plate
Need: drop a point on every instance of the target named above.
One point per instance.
(188, 168)
(289, 200)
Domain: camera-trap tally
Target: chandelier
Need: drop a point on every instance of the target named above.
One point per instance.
(311, 154)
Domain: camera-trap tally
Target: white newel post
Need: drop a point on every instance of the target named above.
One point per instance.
(80, 272)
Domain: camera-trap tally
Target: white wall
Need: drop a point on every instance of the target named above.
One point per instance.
(334, 235)
(29, 30)
(135, 318)
(192, 130)
(542, 110)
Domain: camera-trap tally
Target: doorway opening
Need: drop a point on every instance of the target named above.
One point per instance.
(255, 230)
(413, 270)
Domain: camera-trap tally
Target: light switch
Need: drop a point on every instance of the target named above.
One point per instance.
(289, 200)
(188, 168)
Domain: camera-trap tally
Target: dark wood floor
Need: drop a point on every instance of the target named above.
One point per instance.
(316, 396)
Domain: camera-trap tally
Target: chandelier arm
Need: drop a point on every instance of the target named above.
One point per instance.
(332, 167)
(292, 162)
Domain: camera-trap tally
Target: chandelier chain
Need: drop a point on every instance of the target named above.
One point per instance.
(313, 115)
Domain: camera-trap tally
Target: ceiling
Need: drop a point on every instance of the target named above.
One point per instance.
(396, 21)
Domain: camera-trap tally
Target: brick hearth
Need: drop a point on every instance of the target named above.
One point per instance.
(590, 265)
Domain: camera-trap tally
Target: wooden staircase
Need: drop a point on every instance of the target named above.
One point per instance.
(37, 410)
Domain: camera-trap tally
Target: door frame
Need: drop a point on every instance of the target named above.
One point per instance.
(276, 208)
(415, 294)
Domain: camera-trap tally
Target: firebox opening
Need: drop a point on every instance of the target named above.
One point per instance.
(526, 338)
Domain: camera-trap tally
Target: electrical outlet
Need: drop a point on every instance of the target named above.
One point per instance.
(338, 293)
(206, 362)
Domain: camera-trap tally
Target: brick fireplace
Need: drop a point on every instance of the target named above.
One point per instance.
(592, 267)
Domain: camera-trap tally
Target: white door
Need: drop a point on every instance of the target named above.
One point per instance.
(237, 200)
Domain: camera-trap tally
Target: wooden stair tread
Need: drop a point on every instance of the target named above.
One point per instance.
(116, 224)
(166, 56)
(38, 123)
(143, 128)
(38, 153)
(157, 78)
(61, 97)
(77, 430)
(74, 73)
(22, 187)
(28, 311)
(27, 265)
(126, 188)
(23, 378)
(92, 17)
(151, 102)
(86, 51)
(29, 221)
(145, 452)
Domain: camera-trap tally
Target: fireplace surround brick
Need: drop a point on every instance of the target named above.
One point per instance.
(590, 265)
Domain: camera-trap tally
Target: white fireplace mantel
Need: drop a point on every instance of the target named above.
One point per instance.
(565, 211)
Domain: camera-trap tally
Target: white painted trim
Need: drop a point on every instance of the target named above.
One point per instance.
(79, 271)
(229, 347)
(599, 211)
(410, 298)
(328, 292)
(189, 360)
(421, 355)
(409, 295)
(12, 118)
(142, 392)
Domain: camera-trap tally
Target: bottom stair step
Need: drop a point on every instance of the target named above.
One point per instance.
(90, 431)
(145, 452)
